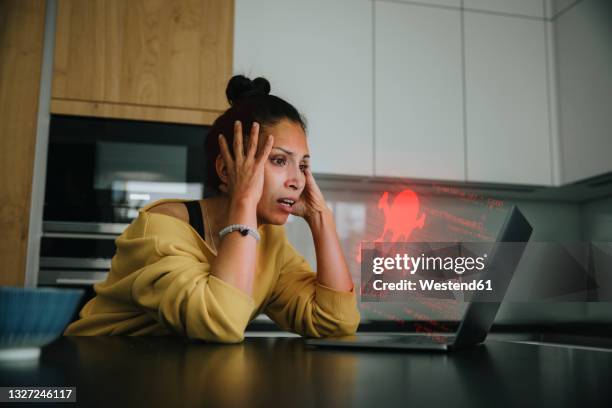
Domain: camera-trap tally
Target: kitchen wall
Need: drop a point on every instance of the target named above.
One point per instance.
(560, 225)
(597, 216)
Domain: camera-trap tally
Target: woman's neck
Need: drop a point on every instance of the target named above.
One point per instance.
(217, 214)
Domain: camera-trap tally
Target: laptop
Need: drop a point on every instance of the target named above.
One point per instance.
(479, 315)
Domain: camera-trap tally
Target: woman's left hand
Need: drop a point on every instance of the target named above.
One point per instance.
(311, 202)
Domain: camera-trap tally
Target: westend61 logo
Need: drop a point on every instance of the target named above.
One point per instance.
(413, 264)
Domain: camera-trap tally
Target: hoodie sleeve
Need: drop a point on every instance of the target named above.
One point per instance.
(300, 304)
(178, 291)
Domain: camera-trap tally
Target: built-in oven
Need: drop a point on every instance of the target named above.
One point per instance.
(75, 259)
(100, 172)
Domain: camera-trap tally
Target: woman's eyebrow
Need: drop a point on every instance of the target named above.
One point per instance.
(290, 153)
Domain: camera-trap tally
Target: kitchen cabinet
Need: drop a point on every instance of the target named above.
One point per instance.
(143, 59)
(507, 107)
(21, 54)
(419, 130)
(584, 58)
(318, 56)
(531, 8)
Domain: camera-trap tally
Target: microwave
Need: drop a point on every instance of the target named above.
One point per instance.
(100, 172)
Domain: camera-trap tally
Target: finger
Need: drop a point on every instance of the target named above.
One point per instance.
(308, 174)
(225, 153)
(253, 141)
(266, 150)
(311, 182)
(238, 149)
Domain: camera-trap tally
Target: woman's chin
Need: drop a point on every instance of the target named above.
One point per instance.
(276, 219)
(281, 220)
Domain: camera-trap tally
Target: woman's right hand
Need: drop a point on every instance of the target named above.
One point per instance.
(245, 171)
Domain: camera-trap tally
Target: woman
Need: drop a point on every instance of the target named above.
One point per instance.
(204, 269)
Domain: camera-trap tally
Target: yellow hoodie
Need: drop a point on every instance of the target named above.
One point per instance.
(160, 283)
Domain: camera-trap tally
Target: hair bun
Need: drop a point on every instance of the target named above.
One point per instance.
(240, 87)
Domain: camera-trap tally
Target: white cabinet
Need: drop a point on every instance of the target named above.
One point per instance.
(584, 55)
(318, 56)
(532, 8)
(401, 89)
(419, 129)
(507, 108)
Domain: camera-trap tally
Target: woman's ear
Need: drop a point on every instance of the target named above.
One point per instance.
(221, 170)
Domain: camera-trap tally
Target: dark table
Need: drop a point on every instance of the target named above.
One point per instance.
(277, 371)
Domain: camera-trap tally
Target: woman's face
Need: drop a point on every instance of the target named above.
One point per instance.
(283, 171)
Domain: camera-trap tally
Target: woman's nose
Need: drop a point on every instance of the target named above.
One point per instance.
(295, 179)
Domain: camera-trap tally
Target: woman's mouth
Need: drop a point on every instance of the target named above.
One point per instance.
(286, 204)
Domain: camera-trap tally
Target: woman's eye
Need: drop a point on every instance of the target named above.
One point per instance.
(279, 161)
(303, 167)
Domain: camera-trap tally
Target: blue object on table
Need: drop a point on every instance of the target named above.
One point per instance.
(33, 317)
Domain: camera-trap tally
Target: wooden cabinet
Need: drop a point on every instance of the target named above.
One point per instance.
(507, 106)
(318, 56)
(21, 49)
(143, 59)
(419, 130)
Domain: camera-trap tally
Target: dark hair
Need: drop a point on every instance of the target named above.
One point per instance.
(250, 102)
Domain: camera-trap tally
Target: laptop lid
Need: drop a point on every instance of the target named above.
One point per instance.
(480, 314)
